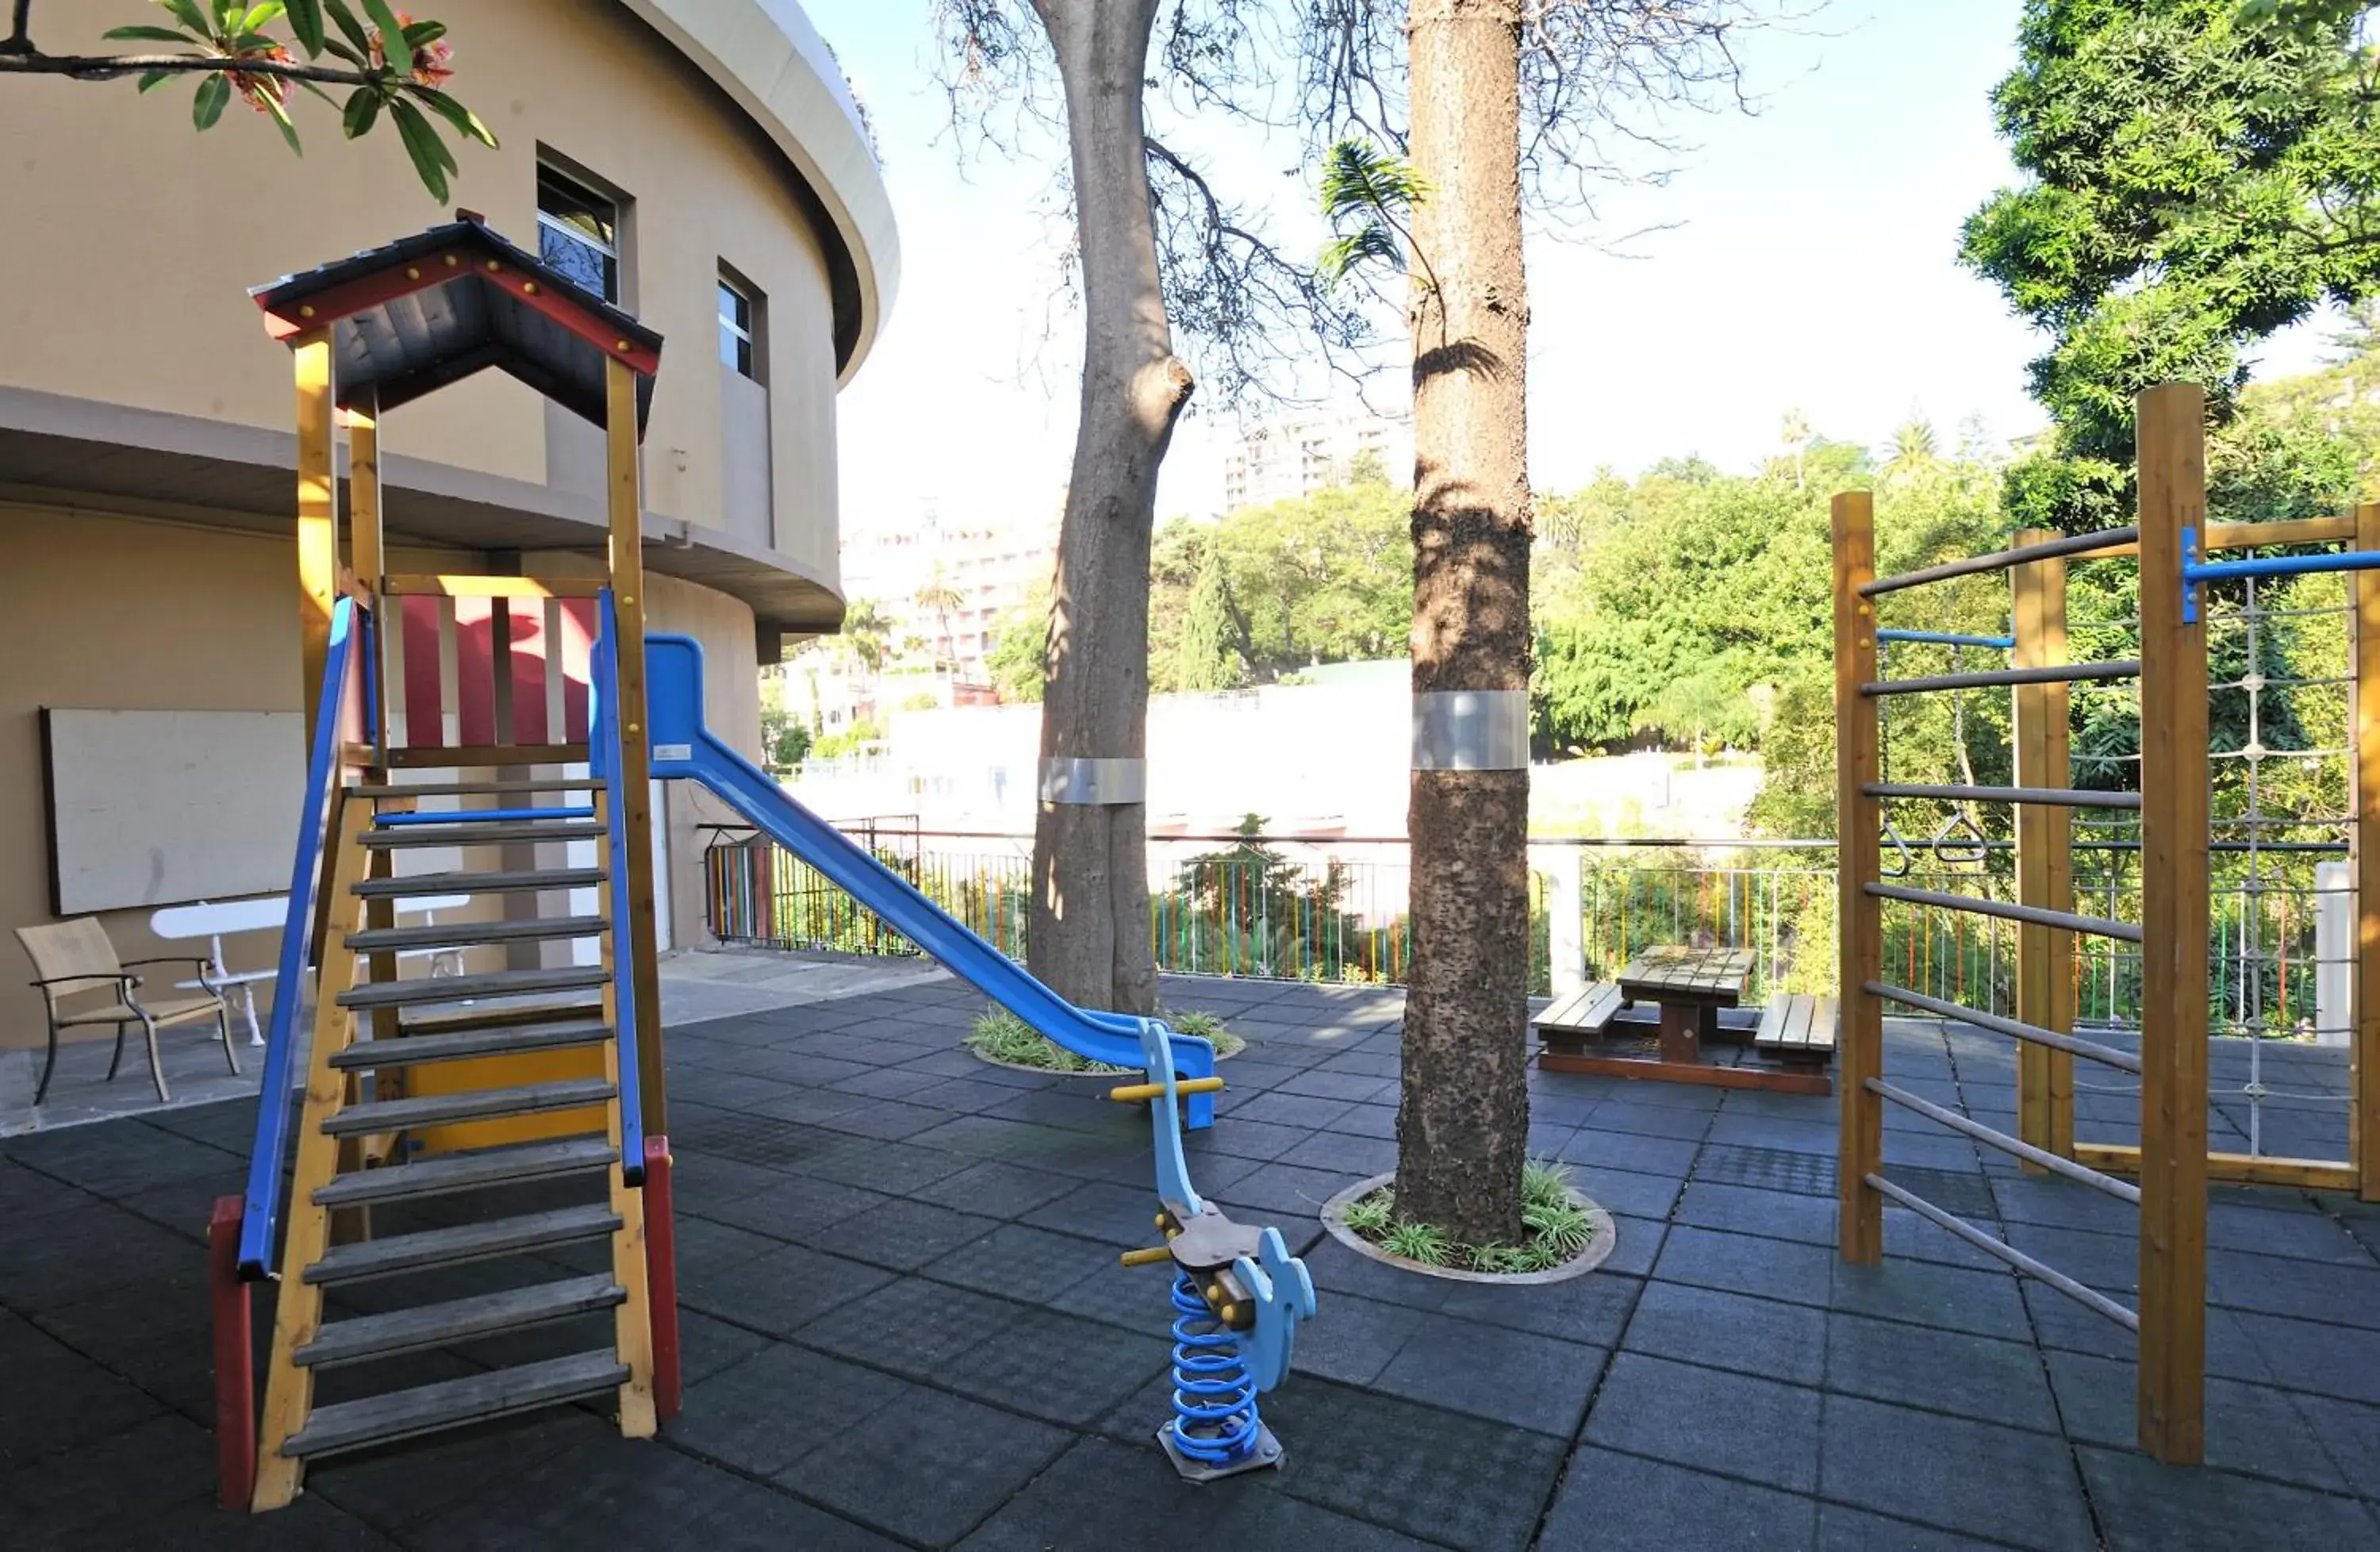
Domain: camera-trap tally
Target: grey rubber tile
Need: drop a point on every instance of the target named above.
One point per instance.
(1729, 1332)
(1494, 1371)
(995, 1189)
(1709, 1420)
(1954, 1473)
(1611, 1499)
(1941, 1371)
(763, 1412)
(929, 1467)
(2145, 1506)
(1800, 1274)
(2249, 1428)
(1921, 1293)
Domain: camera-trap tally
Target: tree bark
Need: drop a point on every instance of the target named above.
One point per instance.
(1089, 933)
(1463, 1120)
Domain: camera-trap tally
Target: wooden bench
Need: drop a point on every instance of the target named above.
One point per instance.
(1796, 1025)
(1571, 1021)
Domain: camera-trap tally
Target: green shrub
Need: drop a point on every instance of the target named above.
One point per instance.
(1560, 1229)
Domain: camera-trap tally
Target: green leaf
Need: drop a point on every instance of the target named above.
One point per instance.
(422, 144)
(207, 106)
(357, 32)
(362, 112)
(188, 13)
(306, 23)
(422, 33)
(391, 29)
(280, 113)
(146, 34)
(333, 45)
(151, 80)
(308, 86)
(465, 121)
(258, 14)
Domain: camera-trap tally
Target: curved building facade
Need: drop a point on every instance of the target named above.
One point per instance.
(699, 162)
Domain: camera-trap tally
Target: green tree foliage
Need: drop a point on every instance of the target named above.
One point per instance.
(393, 66)
(1018, 661)
(1326, 579)
(2200, 176)
(1205, 659)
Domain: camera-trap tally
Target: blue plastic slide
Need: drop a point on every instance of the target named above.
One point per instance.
(683, 747)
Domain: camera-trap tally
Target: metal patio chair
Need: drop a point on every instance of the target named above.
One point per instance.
(81, 982)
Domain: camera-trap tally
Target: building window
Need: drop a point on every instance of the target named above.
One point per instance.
(737, 317)
(579, 233)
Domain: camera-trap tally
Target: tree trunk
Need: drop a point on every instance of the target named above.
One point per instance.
(1089, 933)
(1463, 1125)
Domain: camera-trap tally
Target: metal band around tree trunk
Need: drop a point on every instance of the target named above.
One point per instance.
(1471, 730)
(1094, 782)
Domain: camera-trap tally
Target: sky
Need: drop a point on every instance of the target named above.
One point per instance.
(1805, 257)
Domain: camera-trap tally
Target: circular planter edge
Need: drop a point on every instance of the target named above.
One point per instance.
(1050, 1072)
(1598, 1248)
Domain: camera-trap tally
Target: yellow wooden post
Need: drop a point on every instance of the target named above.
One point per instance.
(628, 570)
(298, 1304)
(2044, 857)
(2363, 1114)
(2173, 949)
(1859, 1052)
(632, 1322)
(368, 550)
(318, 513)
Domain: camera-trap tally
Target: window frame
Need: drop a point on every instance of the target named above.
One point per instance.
(751, 334)
(598, 197)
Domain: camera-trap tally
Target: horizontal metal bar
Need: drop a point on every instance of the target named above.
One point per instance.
(2057, 673)
(2089, 1049)
(2035, 915)
(1945, 638)
(2121, 1190)
(2052, 797)
(2281, 565)
(1963, 1230)
(2001, 560)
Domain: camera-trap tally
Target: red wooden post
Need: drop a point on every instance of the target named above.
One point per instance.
(661, 1277)
(235, 1364)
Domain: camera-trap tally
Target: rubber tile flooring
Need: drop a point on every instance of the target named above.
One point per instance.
(904, 1325)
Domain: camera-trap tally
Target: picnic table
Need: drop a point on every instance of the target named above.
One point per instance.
(1690, 984)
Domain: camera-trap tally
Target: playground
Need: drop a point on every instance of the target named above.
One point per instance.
(904, 1324)
(497, 1258)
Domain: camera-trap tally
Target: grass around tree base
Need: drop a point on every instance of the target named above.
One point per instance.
(1003, 1037)
(1560, 1229)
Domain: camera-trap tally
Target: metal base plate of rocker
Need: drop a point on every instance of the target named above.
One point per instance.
(1266, 1453)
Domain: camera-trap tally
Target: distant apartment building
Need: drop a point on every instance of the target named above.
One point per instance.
(946, 585)
(1295, 455)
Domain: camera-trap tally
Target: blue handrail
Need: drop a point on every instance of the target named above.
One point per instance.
(605, 758)
(260, 1213)
(2197, 571)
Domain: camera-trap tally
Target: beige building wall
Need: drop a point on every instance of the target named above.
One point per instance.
(131, 283)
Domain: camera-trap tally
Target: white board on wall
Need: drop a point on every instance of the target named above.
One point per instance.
(158, 807)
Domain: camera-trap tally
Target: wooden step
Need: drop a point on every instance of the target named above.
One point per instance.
(413, 1050)
(454, 1402)
(511, 832)
(364, 1337)
(362, 1259)
(465, 988)
(478, 789)
(428, 1021)
(480, 883)
(476, 1104)
(464, 935)
(510, 1165)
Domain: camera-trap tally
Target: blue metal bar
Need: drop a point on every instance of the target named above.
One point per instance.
(258, 1217)
(1946, 638)
(2195, 571)
(604, 759)
(484, 816)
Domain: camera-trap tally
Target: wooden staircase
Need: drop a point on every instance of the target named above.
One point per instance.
(392, 1059)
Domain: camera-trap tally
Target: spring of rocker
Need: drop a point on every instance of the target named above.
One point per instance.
(1237, 1296)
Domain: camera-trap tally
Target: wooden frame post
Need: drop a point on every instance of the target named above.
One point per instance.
(627, 575)
(318, 512)
(2363, 1111)
(2045, 855)
(368, 550)
(2174, 947)
(1860, 1048)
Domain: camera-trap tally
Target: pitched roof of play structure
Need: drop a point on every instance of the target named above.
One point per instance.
(429, 309)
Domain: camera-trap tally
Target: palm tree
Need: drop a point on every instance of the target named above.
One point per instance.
(866, 633)
(1912, 447)
(1797, 435)
(939, 596)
